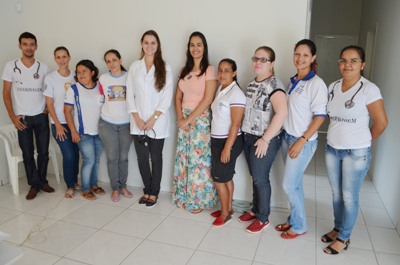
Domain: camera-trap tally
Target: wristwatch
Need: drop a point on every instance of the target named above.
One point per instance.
(156, 117)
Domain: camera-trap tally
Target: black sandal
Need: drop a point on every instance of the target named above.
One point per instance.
(326, 239)
(335, 252)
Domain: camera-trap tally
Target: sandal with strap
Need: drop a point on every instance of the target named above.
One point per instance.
(69, 193)
(327, 239)
(283, 227)
(333, 251)
(98, 190)
(88, 195)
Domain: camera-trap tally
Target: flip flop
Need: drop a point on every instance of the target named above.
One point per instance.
(69, 193)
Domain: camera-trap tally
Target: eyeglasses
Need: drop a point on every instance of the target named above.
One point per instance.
(351, 61)
(262, 59)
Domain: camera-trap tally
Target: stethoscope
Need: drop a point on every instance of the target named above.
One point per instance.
(35, 75)
(349, 103)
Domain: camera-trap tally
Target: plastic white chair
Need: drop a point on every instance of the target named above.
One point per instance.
(14, 155)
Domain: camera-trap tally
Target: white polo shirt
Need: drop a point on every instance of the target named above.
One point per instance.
(231, 96)
(27, 91)
(87, 103)
(55, 87)
(349, 127)
(306, 98)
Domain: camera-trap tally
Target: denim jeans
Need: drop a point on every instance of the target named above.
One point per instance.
(70, 154)
(37, 125)
(259, 169)
(346, 172)
(293, 180)
(117, 141)
(91, 148)
(152, 150)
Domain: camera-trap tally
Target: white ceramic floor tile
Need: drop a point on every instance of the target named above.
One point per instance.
(231, 242)
(24, 226)
(19, 202)
(322, 180)
(32, 256)
(384, 240)
(204, 216)
(60, 238)
(7, 214)
(123, 202)
(309, 179)
(134, 223)
(65, 261)
(57, 207)
(150, 252)
(95, 215)
(164, 205)
(104, 248)
(368, 186)
(201, 258)
(387, 259)
(309, 191)
(370, 199)
(310, 207)
(359, 237)
(6, 192)
(275, 250)
(376, 217)
(259, 263)
(351, 256)
(324, 193)
(180, 232)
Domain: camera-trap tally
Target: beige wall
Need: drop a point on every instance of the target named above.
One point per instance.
(90, 27)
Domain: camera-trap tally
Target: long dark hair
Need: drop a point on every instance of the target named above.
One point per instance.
(89, 64)
(313, 50)
(233, 65)
(116, 54)
(189, 59)
(160, 74)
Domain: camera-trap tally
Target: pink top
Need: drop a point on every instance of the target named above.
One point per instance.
(193, 87)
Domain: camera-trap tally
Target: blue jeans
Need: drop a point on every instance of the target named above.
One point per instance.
(70, 154)
(293, 180)
(117, 142)
(150, 149)
(37, 125)
(346, 172)
(259, 169)
(91, 148)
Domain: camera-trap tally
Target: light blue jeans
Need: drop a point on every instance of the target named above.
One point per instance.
(91, 147)
(293, 180)
(346, 172)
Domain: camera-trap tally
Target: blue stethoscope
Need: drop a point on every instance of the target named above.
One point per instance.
(35, 75)
(349, 103)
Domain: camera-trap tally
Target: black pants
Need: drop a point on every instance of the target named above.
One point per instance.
(36, 127)
(149, 149)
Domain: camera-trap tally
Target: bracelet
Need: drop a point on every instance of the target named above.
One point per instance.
(265, 140)
(304, 138)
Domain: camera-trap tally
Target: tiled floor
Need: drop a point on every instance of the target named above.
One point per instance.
(54, 230)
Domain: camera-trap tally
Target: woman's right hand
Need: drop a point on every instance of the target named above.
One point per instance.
(60, 132)
(183, 124)
(139, 122)
(76, 138)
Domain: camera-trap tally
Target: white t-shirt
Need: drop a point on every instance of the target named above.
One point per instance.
(55, 87)
(87, 103)
(349, 127)
(231, 96)
(114, 110)
(27, 91)
(143, 98)
(259, 111)
(306, 98)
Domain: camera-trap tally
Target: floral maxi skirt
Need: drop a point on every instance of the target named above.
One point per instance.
(193, 187)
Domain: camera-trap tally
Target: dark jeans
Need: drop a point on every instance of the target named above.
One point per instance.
(151, 177)
(70, 154)
(36, 126)
(259, 169)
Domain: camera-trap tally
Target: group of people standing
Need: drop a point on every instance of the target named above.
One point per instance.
(215, 124)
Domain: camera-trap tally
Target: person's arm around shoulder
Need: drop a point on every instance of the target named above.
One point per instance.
(16, 120)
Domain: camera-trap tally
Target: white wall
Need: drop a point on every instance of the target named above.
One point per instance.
(90, 27)
(385, 168)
